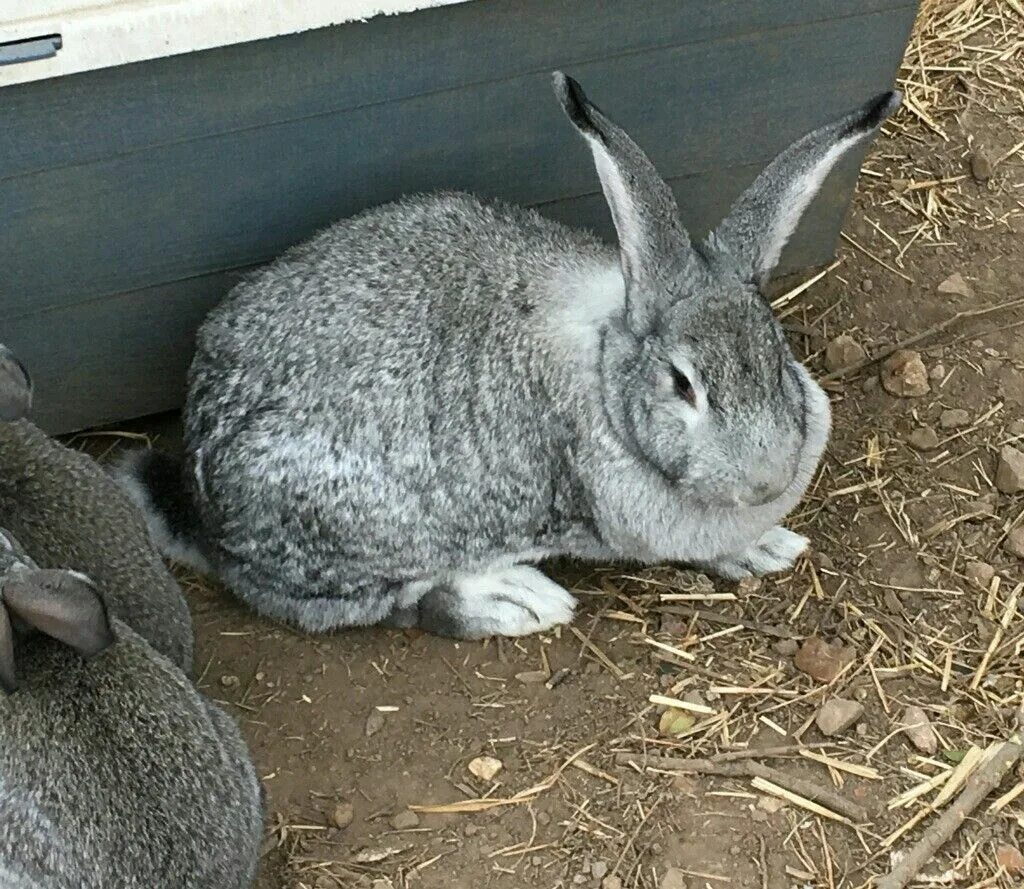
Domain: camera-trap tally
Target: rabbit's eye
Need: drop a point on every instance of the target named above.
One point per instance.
(684, 388)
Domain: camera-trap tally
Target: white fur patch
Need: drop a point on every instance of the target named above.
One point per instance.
(582, 301)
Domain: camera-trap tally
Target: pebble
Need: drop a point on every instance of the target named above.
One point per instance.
(954, 418)
(918, 728)
(903, 374)
(1015, 543)
(956, 285)
(229, 681)
(842, 352)
(980, 574)
(532, 677)
(869, 384)
(749, 585)
(374, 723)
(837, 715)
(612, 882)
(342, 815)
(867, 285)
(674, 878)
(924, 438)
(937, 374)
(1010, 471)
(405, 820)
(1011, 859)
(485, 767)
(598, 870)
(1016, 427)
(786, 647)
(981, 165)
(822, 661)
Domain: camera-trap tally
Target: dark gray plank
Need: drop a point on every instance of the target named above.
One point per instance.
(126, 355)
(90, 116)
(119, 357)
(198, 207)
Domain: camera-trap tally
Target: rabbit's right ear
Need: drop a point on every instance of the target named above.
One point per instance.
(652, 240)
(63, 605)
(15, 386)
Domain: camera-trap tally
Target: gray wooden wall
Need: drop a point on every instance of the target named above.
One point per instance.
(131, 198)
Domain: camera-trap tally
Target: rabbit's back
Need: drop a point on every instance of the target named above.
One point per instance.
(353, 406)
(116, 772)
(68, 513)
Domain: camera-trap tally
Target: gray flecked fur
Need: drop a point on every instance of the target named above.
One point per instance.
(114, 770)
(388, 421)
(68, 513)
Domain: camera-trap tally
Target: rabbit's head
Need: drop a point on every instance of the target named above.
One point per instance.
(15, 386)
(697, 379)
(63, 605)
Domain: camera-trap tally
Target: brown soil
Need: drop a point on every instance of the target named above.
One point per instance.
(893, 531)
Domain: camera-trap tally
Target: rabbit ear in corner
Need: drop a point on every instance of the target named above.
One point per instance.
(766, 214)
(15, 386)
(652, 240)
(63, 605)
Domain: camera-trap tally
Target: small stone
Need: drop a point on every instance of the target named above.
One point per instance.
(842, 352)
(749, 585)
(485, 767)
(374, 723)
(955, 284)
(981, 165)
(980, 574)
(598, 870)
(822, 661)
(1010, 471)
(786, 647)
(674, 878)
(543, 818)
(918, 728)
(904, 375)
(382, 884)
(611, 882)
(470, 830)
(837, 715)
(342, 815)
(1010, 858)
(229, 681)
(405, 820)
(824, 562)
(867, 285)
(937, 374)
(954, 418)
(532, 677)
(924, 438)
(770, 804)
(869, 384)
(1016, 427)
(1015, 542)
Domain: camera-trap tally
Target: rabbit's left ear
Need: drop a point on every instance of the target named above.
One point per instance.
(766, 214)
(63, 605)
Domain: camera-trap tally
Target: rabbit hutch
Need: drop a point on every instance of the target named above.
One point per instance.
(152, 151)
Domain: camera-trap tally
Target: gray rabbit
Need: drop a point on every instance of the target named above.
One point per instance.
(114, 770)
(394, 419)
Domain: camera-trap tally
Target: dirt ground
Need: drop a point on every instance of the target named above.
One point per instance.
(349, 730)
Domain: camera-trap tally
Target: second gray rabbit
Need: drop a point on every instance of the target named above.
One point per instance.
(395, 419)
(114, 770)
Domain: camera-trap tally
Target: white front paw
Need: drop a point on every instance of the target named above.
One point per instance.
(776, 550)
(514, 601)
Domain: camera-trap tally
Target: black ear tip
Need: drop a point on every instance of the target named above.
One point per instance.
(879, 109)
(574, 100)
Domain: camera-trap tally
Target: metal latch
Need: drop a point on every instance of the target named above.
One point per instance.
(31, 50)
